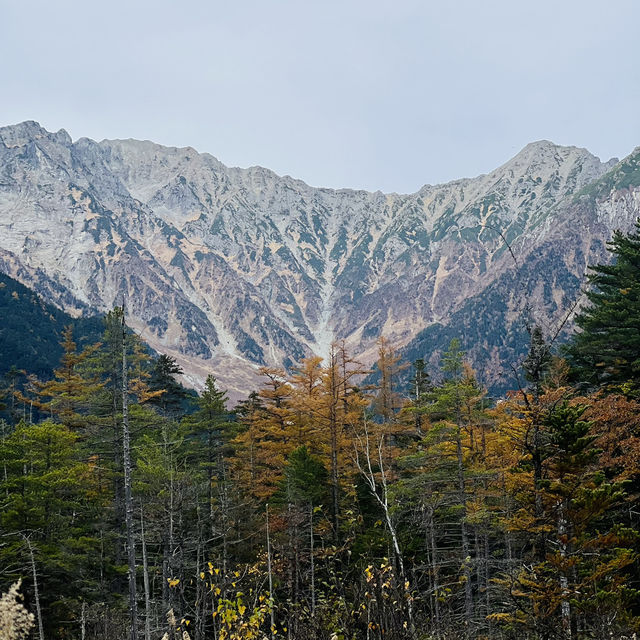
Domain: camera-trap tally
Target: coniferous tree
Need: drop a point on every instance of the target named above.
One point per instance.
(419, 386)
(208, 433)
(172, 396)
(537, 362)
(420, 382)
(305, 480)
(606, 352)
(67, 395)
(9, 391)
(274, 426)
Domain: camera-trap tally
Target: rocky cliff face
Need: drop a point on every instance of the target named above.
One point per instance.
(228, 268)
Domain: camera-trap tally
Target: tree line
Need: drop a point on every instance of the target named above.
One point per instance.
(323, 506)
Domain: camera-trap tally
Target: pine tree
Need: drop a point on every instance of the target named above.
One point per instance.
(420, 382)
(419, 386)
(207, 433)
(606, 352)
(537, 362)
(172, 395)
(9, 392)
(459, 392)
(305, 480)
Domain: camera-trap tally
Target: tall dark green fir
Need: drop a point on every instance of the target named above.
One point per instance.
(606, 352)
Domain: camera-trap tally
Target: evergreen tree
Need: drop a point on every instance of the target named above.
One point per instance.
(537, 362)
(420, 383)
(8, 392)
(419, 386)
(458, 402)
(172, 396)
(207, 432)
(606, 352)
(305, 480)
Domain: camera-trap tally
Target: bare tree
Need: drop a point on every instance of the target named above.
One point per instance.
(378, 486)
(36, 593)
(128, 499)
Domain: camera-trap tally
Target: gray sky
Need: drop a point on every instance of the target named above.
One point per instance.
(364, 94)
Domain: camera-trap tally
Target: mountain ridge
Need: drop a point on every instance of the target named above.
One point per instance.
(64, 134)
(229, 268)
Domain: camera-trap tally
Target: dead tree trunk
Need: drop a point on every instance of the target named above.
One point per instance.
(128, 499)
(271, 616)
(36, 592)
(145, 574)
(381, 495)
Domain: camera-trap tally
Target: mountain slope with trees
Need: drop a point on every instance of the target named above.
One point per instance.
(31, 330)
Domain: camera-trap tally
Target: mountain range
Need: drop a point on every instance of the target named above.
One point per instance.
(227, 269)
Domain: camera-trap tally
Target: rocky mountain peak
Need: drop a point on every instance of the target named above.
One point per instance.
(29, 131)
(543, 159)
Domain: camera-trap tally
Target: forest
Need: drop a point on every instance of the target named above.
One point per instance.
(326, 506)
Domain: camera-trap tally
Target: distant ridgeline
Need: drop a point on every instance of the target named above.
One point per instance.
(31, 330)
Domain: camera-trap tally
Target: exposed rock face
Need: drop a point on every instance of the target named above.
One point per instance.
(229, 268)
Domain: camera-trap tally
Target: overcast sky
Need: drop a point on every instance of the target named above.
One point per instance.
(364, 94)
